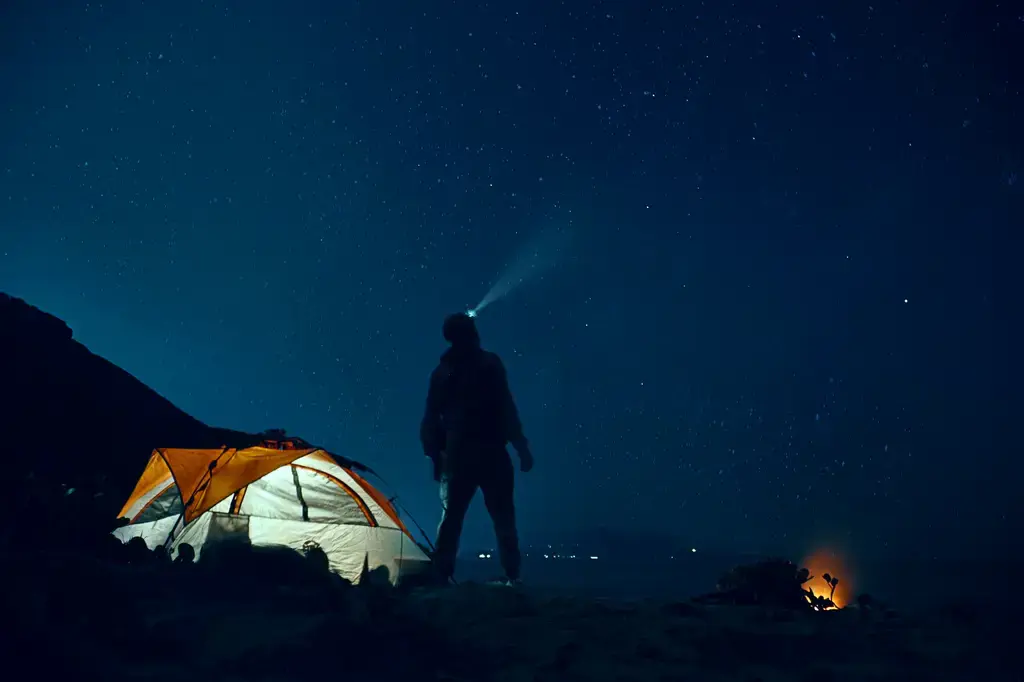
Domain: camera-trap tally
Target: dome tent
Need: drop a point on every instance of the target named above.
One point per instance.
(282, 492)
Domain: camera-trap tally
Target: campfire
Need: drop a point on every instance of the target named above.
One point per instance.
(824, 561)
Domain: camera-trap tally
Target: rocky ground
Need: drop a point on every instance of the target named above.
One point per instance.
(122, 612)
(516, 636)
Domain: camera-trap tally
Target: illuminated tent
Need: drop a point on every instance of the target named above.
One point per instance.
(280, 493)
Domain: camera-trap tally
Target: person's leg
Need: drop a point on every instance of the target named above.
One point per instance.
(498, 486)
(456, 494)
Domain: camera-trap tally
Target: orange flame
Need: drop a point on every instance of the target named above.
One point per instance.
(822, 561)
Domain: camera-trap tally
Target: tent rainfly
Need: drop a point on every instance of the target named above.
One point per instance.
(279, 493)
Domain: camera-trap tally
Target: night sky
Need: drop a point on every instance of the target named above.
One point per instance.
(770, 320)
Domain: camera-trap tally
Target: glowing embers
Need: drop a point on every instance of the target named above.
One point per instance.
(822, 561)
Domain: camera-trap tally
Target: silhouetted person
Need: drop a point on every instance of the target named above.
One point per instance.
(469, 419)
(186, 554)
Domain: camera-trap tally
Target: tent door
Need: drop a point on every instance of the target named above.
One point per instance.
(228, 528)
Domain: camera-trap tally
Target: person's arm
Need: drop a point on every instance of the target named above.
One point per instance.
(513, 427)
(431, 429)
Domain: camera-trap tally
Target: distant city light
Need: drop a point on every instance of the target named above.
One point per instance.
(694, 550)
(485, 556)
(593, 557)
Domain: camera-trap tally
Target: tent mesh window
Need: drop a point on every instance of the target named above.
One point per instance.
(167, 503)
(228, 527)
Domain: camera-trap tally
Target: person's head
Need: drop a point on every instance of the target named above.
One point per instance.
(186, 553)
(460, 331)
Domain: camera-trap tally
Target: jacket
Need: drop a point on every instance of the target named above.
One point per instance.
(469, 403)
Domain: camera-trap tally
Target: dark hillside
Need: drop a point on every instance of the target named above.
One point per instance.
(77, 419)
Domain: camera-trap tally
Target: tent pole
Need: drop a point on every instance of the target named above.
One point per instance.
(184, 505)
(170, 534)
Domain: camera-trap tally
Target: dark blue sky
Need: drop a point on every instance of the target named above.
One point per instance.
(774, 323)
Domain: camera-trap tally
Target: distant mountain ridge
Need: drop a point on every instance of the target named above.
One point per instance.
(77, 418)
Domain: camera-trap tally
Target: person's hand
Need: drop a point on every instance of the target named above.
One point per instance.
(525, 460)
